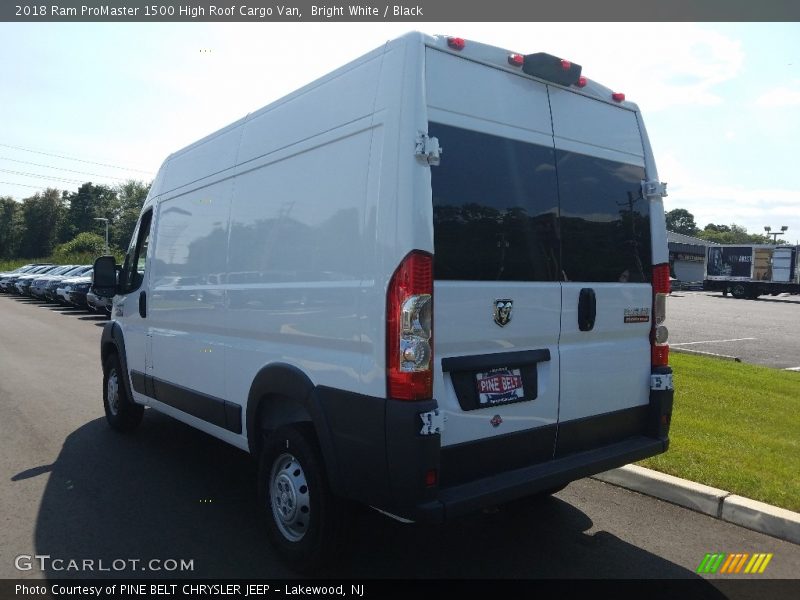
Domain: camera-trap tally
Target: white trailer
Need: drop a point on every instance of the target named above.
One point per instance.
(750, 271)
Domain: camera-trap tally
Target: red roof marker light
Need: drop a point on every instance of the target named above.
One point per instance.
(456, 43)
(618, 97)
(581, 81)
(516, 60)
(566, 65)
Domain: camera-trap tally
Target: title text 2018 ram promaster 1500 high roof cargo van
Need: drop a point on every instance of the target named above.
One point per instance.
(432, 281)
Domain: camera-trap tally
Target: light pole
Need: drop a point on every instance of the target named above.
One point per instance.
(106, 220)
(775, 234)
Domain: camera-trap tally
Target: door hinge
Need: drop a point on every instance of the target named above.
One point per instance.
(432, 422)
(427, 149)
(654, 189)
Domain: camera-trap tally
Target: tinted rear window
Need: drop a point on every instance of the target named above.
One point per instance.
(494, 208)
(605, 220)
(506, 210)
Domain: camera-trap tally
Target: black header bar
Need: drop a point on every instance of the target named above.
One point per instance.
(418, 11)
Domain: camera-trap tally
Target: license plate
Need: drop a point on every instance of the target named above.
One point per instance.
(499, 386)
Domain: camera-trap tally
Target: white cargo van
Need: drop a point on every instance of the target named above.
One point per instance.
(432, 281)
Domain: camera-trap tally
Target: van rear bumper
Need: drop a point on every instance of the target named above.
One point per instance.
(378, 455)
(510, 485)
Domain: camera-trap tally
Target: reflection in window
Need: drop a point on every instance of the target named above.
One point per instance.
(494, 208)
(515, 211)
(605, 220)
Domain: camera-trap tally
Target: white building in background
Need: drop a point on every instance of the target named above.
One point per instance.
(687, 256)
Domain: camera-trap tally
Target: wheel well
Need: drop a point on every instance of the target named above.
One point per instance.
(275, 411)
(106, 351)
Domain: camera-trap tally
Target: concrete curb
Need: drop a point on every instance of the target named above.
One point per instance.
(758, 516)
(701, 353)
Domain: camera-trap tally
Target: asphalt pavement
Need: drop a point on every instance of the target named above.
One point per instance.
(764, 331)
(71, 488)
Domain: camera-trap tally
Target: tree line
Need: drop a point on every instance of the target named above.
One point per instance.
(56, 220)
(682, 221)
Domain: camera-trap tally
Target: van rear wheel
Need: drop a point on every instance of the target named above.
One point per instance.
(306, 523)
(122, 413)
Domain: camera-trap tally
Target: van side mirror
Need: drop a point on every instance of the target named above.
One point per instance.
(104, 277)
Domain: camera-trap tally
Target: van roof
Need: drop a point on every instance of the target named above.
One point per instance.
(475, 51)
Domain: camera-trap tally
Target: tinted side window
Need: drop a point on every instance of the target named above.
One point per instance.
(605, 221)
(133, 269)
(495, 207)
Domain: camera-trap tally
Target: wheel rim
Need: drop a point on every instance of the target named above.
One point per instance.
(291, 503)
(112, 392)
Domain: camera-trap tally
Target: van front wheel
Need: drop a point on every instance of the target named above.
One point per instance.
(306, 523)
(122, 413)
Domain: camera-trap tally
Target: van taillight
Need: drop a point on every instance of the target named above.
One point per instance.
(409, 329)
(659, 333)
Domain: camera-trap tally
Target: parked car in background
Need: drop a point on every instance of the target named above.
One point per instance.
(38, 284)
(18, 271)
(99, 303)
(14, 272)
(23, 282)
(65, 287)
(9, 279)
(78, 290)
(53, 282)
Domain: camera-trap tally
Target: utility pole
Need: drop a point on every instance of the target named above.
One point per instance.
(106, 220)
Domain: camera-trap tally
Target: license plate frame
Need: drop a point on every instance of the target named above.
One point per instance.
(499, 386)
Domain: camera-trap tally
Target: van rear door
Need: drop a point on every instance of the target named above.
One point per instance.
(606, 262)
(497, 296)
(542, 268)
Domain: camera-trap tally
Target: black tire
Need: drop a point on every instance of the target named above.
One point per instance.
(305, 522)
(738, 291)
(122, 413)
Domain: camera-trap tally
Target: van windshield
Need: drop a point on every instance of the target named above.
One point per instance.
(508, 210)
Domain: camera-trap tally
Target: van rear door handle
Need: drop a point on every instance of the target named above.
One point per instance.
(143, 304)
(587, 309)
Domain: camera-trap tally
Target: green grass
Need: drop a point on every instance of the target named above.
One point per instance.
(736, 427)
(78, 258)
(11, 264)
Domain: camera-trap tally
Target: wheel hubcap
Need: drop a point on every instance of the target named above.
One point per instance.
(291, 503)
(112, 392)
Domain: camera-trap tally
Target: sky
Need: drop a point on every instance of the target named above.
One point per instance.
(104, 102)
